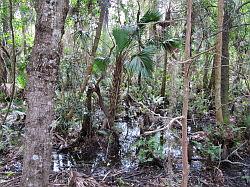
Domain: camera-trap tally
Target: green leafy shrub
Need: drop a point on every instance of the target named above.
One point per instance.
(220, 140)
(149, 148)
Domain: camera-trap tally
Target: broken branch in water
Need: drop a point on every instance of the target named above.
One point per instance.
(166, 127)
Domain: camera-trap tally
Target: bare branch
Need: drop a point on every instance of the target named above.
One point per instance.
(164, 128)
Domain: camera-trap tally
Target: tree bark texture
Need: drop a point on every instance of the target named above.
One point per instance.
(86, 130)
(185, 169)
(212, 80)
(227, 22)
(114, 99)
(206, 67)
(42, 76)
(115, 90)
(217, 68)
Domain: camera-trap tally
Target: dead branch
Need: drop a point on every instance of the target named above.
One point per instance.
(164, 128)
(241, 145)
(235, 163)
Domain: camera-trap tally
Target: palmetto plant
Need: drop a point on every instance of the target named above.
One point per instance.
(141, 62)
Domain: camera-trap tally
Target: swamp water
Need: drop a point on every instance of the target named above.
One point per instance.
(129, 134)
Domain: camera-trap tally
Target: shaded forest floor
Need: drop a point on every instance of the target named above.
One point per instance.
(93, 173)
(232, 175)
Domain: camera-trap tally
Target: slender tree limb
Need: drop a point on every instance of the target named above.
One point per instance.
(243, 4)
(163, 23)
(95, 45)
(234, 151)
(196, 56)
(146, 108)
(13, 61)
(235, 163)
(100, 100)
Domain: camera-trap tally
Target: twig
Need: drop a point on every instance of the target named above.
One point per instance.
(236, 150)
(106, 175)
(193, 120)
(14, 180)
(60, 138)
(236, 163)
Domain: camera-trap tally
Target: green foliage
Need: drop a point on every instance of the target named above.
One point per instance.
(172, 43)
(149, 149)
(21, 80)
(2, 96)
(123, 37)
(11, 134)
(151, 16)
(199, 104)
(70, 111)
(247, 178)
(209, 150)
(247, 121)
(218, 136)
(143, 62)
(100, 64)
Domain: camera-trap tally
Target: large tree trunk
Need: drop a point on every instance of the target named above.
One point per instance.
(227, 22)
(185, 169)
(42, 76)
(217, 63)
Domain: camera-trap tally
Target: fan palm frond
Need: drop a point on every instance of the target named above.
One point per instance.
(151, 16)
(143, 62)
(171, 44)
(123, 37)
